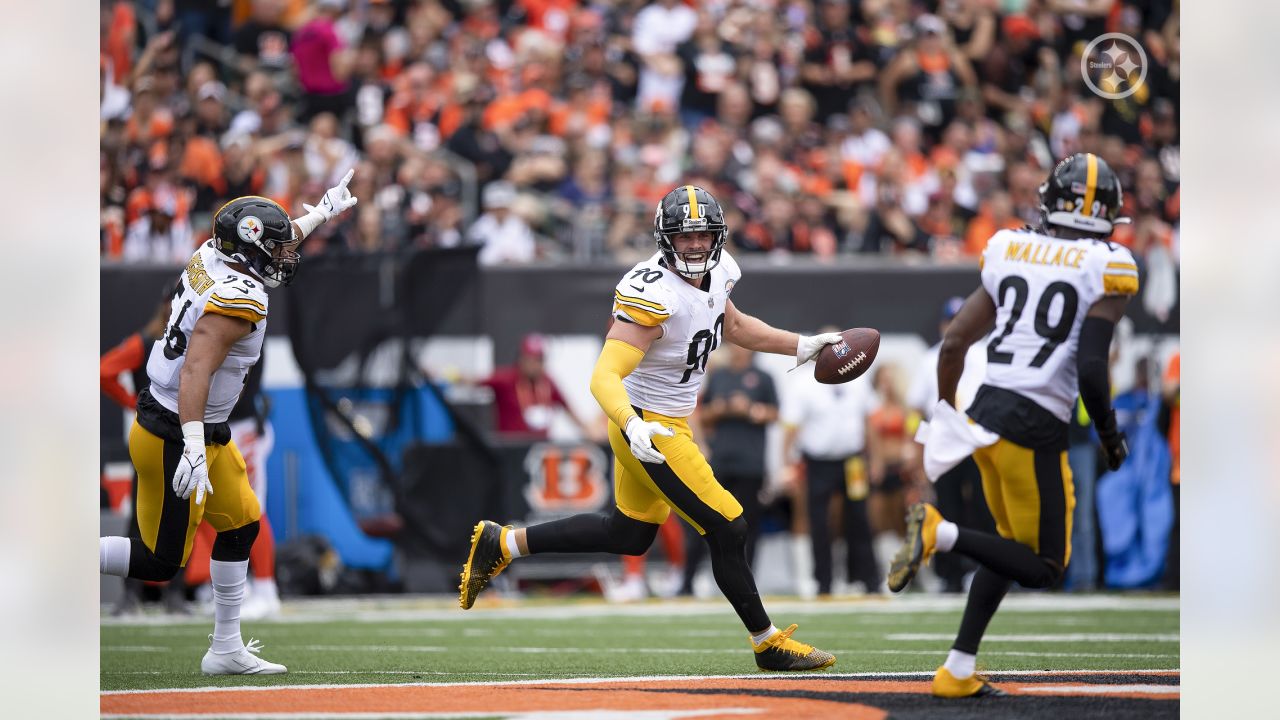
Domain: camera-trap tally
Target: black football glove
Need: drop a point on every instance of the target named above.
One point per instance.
(1115, 446)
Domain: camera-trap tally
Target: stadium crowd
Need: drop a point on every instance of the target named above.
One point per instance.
(548, 129)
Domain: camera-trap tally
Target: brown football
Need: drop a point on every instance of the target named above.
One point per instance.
(849, 358)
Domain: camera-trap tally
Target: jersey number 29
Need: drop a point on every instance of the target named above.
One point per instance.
(1054, 334)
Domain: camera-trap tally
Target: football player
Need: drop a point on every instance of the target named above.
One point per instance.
(188, 467)
(669, 313)
(1054, 296)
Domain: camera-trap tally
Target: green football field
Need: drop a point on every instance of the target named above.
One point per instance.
(430, 640)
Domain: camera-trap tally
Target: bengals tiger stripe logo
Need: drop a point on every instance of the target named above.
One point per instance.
(565, 478)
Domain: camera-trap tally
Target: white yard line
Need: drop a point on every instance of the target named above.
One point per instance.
(1103, 689)
(600, 680)
(1064, 638)
(534, 650)
(528, 715)
(437, 609)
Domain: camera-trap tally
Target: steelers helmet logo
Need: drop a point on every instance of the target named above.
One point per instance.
(250, 229)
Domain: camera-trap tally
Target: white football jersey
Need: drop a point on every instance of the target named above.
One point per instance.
(1043, 287)
(209, 284)
(670, 374)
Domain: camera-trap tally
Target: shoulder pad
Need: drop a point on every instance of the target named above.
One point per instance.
(1118, 270)
(731, 266)
(239, 296)
(642, 296)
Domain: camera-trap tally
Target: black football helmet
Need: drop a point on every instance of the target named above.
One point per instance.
(257, 232)
(1082, 193)
(689, 208)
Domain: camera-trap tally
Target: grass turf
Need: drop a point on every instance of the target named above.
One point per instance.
(586, 639)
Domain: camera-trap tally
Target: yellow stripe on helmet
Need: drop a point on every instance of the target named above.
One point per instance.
(1090, 183)
(693, 203)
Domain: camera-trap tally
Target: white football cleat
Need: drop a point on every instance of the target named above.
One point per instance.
(244, 661)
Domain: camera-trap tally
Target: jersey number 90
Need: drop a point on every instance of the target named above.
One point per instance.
(700, 347)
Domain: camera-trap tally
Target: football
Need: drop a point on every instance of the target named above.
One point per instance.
(849, 358)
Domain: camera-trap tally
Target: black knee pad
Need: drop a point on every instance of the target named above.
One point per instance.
(234, 545)
(146, 565)
(1049, 575)
(729, 537)
(629, 536)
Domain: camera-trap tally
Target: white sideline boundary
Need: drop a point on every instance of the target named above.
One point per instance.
(437, 608)
(624, 679)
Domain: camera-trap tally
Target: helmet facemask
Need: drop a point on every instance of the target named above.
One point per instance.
(680, 262)
(279, 263)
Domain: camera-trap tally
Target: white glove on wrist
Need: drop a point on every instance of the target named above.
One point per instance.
(639, 433)
(810, 345)
(192, 474)
(336, 200)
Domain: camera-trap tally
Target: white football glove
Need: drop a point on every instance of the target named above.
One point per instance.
(192, 474)
(336, 200)
(810, 345)
(639, 433)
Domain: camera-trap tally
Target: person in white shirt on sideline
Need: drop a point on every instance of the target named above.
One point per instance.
(826, 425)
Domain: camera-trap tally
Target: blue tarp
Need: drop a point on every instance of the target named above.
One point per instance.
(303, 496)
(1135, 508)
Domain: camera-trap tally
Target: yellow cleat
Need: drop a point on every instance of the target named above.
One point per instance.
(487, 559)
(946, 685)
(922, 540)
(780, 652)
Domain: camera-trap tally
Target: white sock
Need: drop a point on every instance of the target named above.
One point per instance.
(757, 639)
(947, 534)
(266, 587)
(512, 547)
(228, 580)
(113, 555)
(960, 664)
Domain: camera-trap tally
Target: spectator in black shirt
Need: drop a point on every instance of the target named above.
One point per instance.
(709, 66)
(263, 41)
(889, 229)
(836, 61)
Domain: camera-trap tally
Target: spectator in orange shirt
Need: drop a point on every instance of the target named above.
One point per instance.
(996, 214)
(149, 120)
(131, 356)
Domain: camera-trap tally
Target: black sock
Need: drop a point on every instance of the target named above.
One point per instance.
(610, 532)
(728, 547)
(1007, 557)
(985, 594)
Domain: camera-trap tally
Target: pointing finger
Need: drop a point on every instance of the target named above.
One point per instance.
(347, 178)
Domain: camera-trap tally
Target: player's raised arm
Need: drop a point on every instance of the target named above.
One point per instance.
(752, 333)
(972, 322)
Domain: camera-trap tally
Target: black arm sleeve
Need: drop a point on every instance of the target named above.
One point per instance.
(1092, 370)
